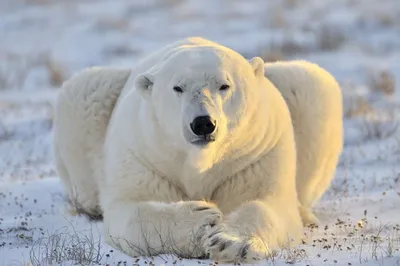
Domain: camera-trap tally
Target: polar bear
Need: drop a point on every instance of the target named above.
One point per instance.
(193, 151)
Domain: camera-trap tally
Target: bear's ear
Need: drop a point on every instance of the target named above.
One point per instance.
(258, 66)
(144, 83)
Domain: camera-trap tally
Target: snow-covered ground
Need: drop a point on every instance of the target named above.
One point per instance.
(43, 42)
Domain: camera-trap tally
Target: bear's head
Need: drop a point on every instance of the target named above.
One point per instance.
(201, 94)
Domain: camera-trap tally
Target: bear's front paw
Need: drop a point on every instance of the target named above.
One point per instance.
(225, 247)
(194, 220)
(200, 214)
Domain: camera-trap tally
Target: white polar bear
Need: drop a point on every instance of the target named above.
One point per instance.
(193, 151)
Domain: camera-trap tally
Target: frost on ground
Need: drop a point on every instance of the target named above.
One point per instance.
(43, 42)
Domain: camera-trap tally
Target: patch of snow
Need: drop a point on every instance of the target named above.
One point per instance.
(44, 42)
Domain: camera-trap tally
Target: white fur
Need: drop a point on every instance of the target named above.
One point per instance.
(82, 112)
(315, 103)
(234, 198)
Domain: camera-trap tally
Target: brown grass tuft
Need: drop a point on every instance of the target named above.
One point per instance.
(357, 106)
(56, 72)
(329, 38)
(382, 81)
(376, 127)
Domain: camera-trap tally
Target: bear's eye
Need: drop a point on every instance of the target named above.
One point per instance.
(224, 87)
(178, 89)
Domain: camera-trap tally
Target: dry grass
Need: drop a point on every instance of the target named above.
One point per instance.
(109, 24)
(120, 51)
(357, 106)
(291, 255)
(275, 52)
(362, 238)
(277, 18)
(329, 38)
(271, 55)
(382, 81)
(56, 72)
(15, 69)
(291, 3)
(365, 239)
(377, 127)
(171, 3)
(62, 247)
(39, 2)
(377, 123)
(5, 133)
(168, 244)
(385, 19)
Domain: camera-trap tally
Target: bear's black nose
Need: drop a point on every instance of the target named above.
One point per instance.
(203, 125)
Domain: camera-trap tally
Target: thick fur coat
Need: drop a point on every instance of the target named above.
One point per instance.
(125, 149)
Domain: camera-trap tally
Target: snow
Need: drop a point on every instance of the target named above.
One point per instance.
(43, 42)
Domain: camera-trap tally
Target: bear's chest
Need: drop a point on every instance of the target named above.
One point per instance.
(199, 187)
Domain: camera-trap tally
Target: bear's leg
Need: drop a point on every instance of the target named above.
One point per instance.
(309, 173)
(261, 208)
(254, 232)
(144, 214)
(80, 185)
(307, 216)
(312, 187)
(63, 174)
(152, 228)
(71, 152)
(83, 204)
(324, 180)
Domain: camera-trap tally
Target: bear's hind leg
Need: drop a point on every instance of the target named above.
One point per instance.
(325, 180)
(307, 216)
(81, 189)
(313, 188)
(307, 183)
